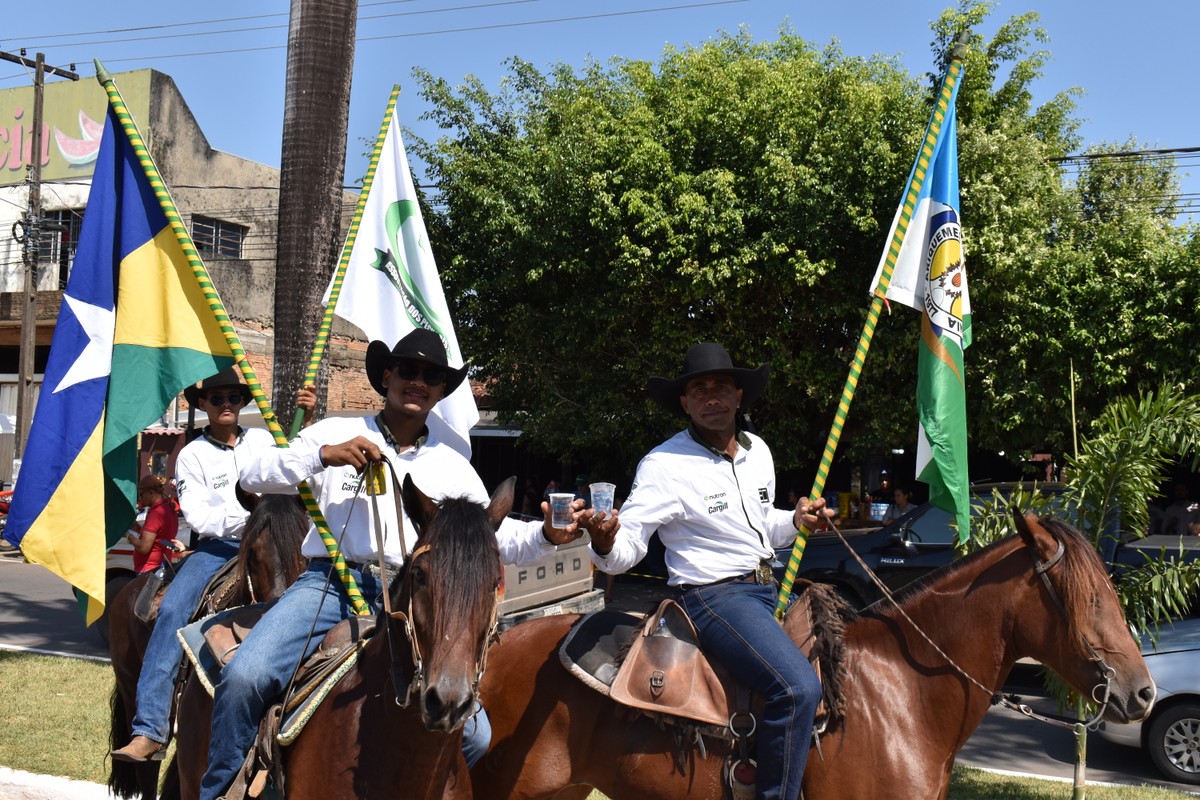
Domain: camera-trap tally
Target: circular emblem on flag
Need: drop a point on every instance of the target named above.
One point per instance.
(945, 275)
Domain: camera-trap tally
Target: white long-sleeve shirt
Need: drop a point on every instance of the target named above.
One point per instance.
(436, 468)
(206, 474)
(713, 513)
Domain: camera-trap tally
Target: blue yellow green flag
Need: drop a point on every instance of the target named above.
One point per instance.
(931, 276)
(133, 330)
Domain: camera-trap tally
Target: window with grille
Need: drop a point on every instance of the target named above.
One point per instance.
(60, 235)
(217, 236)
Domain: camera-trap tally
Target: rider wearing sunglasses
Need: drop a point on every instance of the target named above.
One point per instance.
(412, 377)
(206, 473)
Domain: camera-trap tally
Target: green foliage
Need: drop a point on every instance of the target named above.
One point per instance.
(593, 224)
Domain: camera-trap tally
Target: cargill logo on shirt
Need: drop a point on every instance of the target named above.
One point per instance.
(718, 507)
(220, 482)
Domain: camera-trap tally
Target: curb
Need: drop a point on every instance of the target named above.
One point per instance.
(18, 785)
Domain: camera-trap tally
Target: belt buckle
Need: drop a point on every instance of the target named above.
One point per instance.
(763, 575)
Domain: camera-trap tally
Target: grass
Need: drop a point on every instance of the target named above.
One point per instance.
(54, 716)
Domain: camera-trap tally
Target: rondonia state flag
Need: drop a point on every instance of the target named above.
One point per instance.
(931, 276)
(133, 330)
(391, 285)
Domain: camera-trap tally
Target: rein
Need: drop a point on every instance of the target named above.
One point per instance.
(1010, 701)
(417, 685)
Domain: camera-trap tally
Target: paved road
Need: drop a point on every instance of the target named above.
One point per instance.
(38, 611)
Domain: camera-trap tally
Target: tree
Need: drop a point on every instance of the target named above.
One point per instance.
(316, 113)
(593, 225)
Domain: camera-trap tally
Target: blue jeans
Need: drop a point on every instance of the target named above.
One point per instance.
(265, 661)
(738, 628)
(156, 682)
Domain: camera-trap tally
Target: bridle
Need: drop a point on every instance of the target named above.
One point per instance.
(418, 682)
(1041, 569)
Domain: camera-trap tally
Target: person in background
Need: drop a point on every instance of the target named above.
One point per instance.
(582, 490)
(154, 538)
(531, 504)
(900, 504)
(883, 494)
(1182, 513)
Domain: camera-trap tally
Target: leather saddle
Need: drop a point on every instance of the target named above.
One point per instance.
(217, 595)
(656, 665)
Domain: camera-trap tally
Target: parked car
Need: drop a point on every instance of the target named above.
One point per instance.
(908, 548)
(1171, 734)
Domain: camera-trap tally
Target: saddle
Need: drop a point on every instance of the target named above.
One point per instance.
(217, 595)
(656, 666)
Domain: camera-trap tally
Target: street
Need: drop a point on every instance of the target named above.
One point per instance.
(38, 613)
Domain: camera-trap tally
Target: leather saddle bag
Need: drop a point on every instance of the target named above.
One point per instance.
(665, 672)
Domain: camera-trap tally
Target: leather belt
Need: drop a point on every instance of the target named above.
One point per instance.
(363, 568)
(761, 575)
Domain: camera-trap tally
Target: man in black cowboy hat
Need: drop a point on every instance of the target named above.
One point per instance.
(206, 473)
(709, 491)
(412, 377)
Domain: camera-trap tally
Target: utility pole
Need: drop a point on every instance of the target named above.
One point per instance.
(31, 242)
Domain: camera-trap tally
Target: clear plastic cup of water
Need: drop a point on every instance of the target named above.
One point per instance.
(602, 497)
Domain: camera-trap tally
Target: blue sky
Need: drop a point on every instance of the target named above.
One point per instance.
(1130, 59)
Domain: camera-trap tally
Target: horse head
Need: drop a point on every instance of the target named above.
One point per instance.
(449, 596)
(269, 558)
(1098, 656)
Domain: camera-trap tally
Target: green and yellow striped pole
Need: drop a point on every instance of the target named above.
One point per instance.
(218, 309)
(928, 146)
(314, 363)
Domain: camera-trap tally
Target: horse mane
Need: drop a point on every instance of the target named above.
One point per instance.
(458, 537)
(1080, 574)
(279, 521)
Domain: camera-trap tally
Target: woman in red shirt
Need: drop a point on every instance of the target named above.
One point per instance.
(161, 526)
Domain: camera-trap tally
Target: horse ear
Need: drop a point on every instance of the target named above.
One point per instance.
(247, 500)
(502, 502)
(1033, 534)
(421, 510)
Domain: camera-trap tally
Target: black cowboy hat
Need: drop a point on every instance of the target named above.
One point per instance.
(419, 345)
(707, 358)
(230, 376)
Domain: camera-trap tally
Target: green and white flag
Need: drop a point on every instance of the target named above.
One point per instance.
(392, 286)
(931, 276)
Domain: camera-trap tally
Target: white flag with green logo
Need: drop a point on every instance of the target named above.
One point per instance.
(392, 286)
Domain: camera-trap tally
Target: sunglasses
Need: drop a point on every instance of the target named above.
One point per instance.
(409, 370)
(234, 399)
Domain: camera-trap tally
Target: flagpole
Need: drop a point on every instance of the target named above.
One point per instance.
(218, 310)
(314, 363)
(928, 147)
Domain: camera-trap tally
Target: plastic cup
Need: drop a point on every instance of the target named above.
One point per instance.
(602, 497)
(560, 509)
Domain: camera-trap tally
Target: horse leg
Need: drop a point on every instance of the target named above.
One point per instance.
(191, 739)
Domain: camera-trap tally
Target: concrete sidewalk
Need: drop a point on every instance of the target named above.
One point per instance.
(18, 785)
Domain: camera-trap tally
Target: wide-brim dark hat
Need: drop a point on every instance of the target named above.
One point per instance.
(419, 345)
(230, 376)
(707, 358)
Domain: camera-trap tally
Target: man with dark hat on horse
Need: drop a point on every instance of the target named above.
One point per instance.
(709, 491)
(206, 474)
(331, 455)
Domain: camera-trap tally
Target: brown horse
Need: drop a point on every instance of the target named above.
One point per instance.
(366, 739)
(1043, 594)
(268, 561)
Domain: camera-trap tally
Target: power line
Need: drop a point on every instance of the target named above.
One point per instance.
(443, 31)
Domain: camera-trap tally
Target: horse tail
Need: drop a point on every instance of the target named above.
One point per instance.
(123, 776)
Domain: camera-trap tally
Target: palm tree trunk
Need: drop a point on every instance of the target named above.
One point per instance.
(320, 62)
